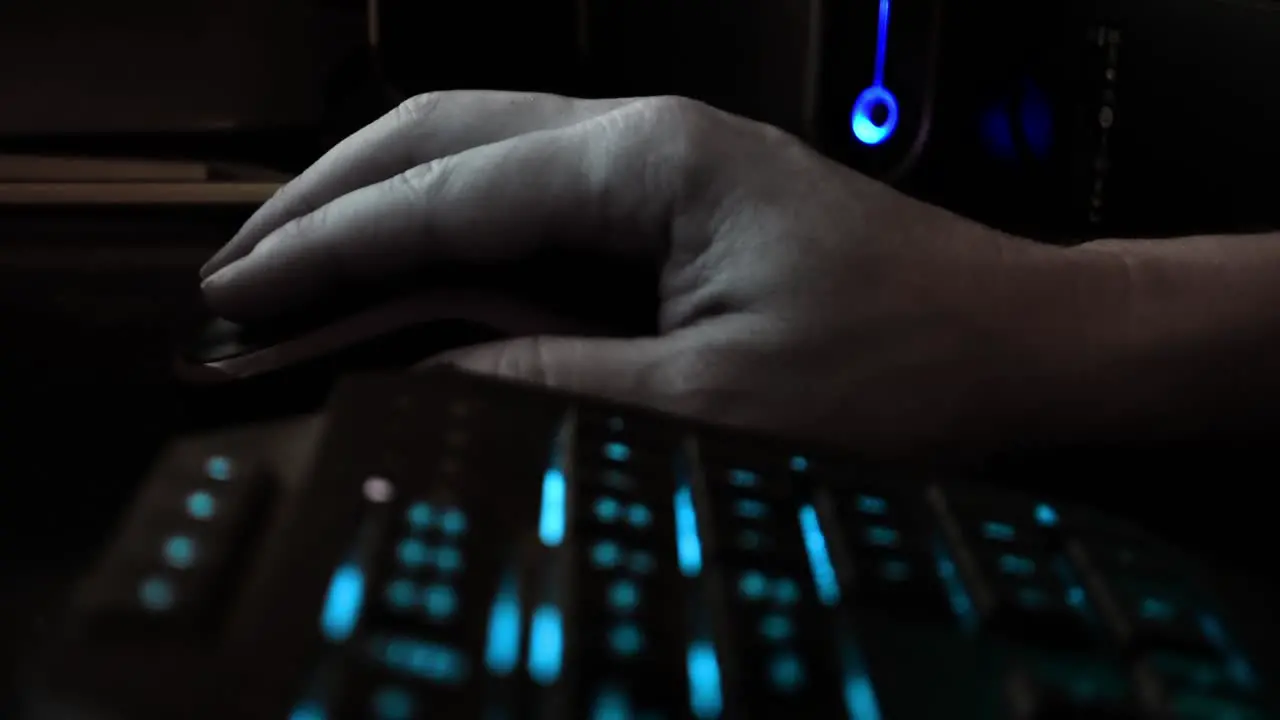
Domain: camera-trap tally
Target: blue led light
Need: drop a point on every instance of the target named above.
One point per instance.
(422, 659)
(872, 505)
(179, 552)
(156, 594)
(401, 593)
(342, 603)
(502, 649)
(551, 521)
(957, 595)
(859, 693)
(218, 468)
(546, 645)
(1002, 532)
(419, 516)
(201, 505)
(881, 536)
(1046, 516)
(864, 126)
(705, 698)
(1035, 115)
(440, 601)
(617, 452)
(611, 704)
(308, 711)
(815, 546)
(392, 703)
(626, 640)
(688, 544)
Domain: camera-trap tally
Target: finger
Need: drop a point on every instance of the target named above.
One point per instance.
(420, 130)
(621, 370)
(591, 186)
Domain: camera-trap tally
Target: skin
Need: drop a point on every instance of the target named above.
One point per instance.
(797, 296)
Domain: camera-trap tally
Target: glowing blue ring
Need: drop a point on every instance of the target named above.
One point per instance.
(864, 127)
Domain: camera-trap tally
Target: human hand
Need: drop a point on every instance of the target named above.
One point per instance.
(797, 296)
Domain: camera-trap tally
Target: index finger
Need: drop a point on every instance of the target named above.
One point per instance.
(610, 183)
(420, 130)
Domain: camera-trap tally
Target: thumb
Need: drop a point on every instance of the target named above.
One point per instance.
(618, 369)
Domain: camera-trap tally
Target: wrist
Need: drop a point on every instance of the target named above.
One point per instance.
(1068, 346)
(1145, 340)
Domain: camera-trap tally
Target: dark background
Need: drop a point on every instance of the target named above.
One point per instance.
(92, 301)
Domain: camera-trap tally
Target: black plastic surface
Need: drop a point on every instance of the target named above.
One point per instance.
(821, 585)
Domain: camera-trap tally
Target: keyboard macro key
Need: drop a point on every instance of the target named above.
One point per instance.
(629, 624)
(1037, 598)
(899, 582)
(1075, 688)
(431, 578)
(405, 677)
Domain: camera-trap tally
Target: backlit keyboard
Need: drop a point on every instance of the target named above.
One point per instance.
(443, 546)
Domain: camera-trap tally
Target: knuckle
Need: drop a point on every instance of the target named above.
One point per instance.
(524, 358)
(425, 179)
(418, 108)
(674, 118)
(695, 385)
(307, 224)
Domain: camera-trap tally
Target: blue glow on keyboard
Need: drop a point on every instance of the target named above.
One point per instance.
(611, 704)
(799, 464)
(201, 505)
(688, 544)
(617, 452)
(342, 603)
(502, 649)
(218, 468)
(872, 505)
(392, 703)
(815, 546)
(1238, 668)
(1046, 516)
(957, 595)
(422, 659)
(999, 531)
(546, 645)
(704, 681)
(156, 594)
(308, 711)
(179, 551)
(551, 522)
(420, 515)
(860, 698)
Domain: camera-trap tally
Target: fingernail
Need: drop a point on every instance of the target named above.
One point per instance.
(218, 277)
(213, 264)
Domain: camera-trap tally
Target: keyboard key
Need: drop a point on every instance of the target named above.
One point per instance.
(1074, 687)
(877, 521)
(430, 578)
(1037, 598)
(905, 582)
(747, 481)
(1163, 615)
(749, 529)
(403, 677)
(179, 565)
(785, 657)
(630, 623)
(784, 651)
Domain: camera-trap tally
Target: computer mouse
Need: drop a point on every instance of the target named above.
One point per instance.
(413, 319)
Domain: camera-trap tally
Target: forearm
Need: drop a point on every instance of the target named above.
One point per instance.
(1151, 340)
